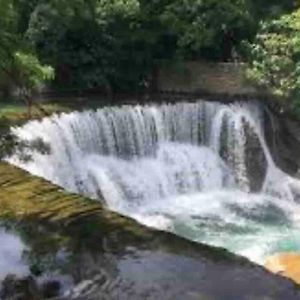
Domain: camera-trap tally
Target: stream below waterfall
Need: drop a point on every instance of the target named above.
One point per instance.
(200, 170)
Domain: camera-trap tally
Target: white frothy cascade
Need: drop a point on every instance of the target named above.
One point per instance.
(181, 167)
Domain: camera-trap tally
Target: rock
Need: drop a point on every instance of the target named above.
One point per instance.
(255, 159)
(285, 264)
(27, 288)
(282, 133)
(19, 289)
(51, 289)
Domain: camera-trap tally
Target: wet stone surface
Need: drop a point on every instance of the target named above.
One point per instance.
(83, 261)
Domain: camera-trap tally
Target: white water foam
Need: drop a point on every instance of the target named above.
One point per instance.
(182, 168)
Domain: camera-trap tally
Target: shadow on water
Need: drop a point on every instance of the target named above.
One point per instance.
(56, 244)
(86, 260)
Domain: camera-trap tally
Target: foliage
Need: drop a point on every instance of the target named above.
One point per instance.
(31, 74)
(272, 9)
(7, 27)
(10, 144)
(18, 64)
(207, 28)
(91, 43)
(275, 58)
(9, 39)
(117, 44)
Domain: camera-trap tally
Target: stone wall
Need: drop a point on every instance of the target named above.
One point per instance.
(204, 78)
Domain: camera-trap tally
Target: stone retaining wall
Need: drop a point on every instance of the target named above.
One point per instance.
(205, 78)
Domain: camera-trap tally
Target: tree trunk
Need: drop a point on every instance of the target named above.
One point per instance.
(29, 102)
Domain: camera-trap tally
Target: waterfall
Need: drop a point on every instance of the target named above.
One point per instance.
(202, 170)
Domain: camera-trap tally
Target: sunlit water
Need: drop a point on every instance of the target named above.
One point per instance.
(184, 168)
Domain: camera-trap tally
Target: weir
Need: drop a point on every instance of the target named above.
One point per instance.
(201, 170)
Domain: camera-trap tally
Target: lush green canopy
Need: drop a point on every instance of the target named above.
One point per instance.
(19, 66)
(117, 44)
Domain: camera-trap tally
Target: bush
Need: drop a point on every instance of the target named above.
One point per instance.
(274, 59)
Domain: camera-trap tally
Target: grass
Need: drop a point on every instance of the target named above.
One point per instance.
(15, 112)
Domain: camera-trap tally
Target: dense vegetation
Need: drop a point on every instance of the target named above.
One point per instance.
(274, 63)
(19, 66)
(116, 45)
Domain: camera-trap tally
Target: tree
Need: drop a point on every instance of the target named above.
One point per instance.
(18, 64)
(209, 29)
(272, 9)
(8, 36)
(91, 43)
(117, 44)
(30, 75)
(275, 59)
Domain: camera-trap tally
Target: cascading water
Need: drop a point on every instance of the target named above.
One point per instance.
(202, 170)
